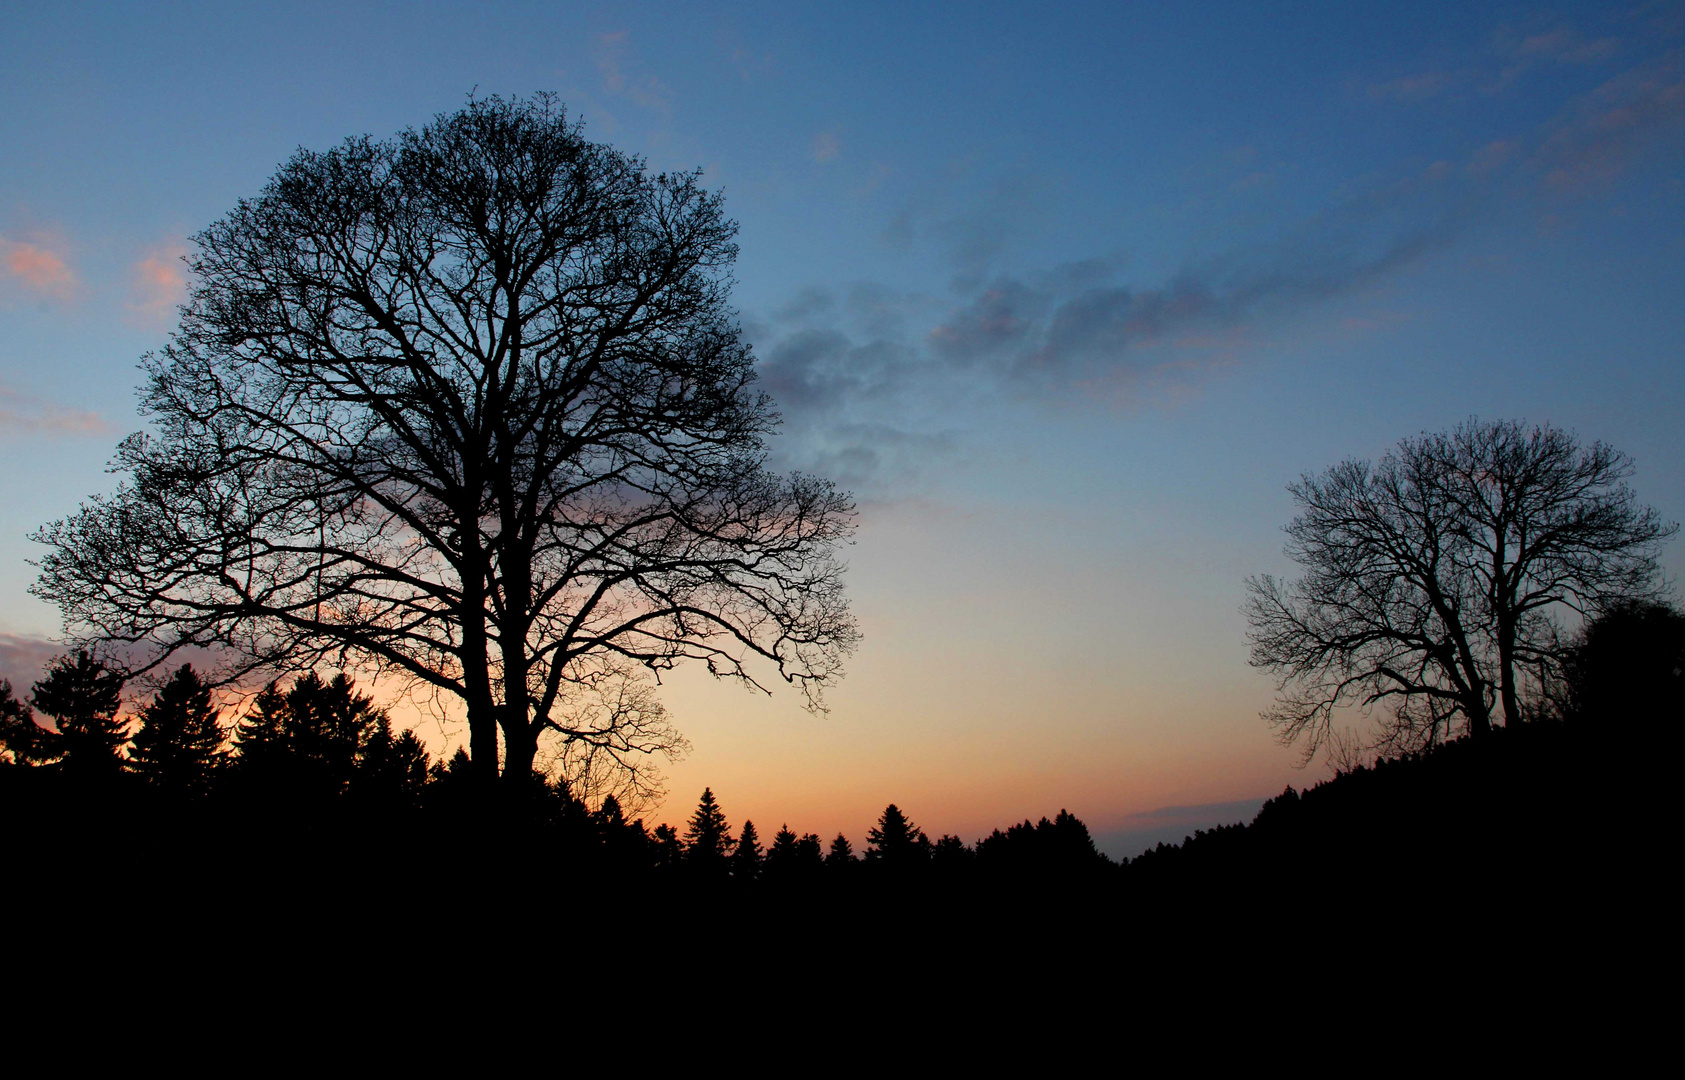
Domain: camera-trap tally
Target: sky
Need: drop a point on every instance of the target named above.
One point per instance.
(1065, 294)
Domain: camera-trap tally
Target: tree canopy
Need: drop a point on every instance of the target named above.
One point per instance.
(1436, 579)
(468, 406)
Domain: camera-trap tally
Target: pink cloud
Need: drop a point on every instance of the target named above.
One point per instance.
(647, 90)
(1493, 156)
(1562, 45)
(1566, 46)
(1615, 127)
(1422, 84)
(24, 414)
(158, 283)
(37, 269)
(22, 659)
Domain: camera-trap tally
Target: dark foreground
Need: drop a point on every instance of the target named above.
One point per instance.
(1523, 856)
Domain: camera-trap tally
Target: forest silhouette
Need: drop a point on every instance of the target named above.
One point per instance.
(311, 800)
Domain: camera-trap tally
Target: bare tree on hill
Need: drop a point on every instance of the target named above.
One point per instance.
(1435, 580)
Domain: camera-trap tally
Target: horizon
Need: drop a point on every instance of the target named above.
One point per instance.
(1067, 298)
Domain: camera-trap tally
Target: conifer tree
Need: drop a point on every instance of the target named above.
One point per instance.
(746, 857)
(22, 740)
(1071, 840)
(781, 855)
(326, 725)
(313, 738)
(896, 841)
(178, 748)
(82, 696)
(625, 845)
(810, 853)
(609, 813)
(841, 853)
(950, 853)
(669, 849)
(708, 837)
(391, 769)
(259, 733)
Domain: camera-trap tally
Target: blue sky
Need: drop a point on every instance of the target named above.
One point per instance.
(1066, 294)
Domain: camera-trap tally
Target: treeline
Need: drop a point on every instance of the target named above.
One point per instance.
(313, 775)
(313, 759)
(314, 743)
(1560, 816)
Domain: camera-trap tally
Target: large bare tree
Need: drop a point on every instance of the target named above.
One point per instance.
(1435, 579)
(469, 406)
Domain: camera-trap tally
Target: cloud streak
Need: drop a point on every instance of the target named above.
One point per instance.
(1601, 138)
(613, 62)
(37, 270)
(23, 657)
(865, 373)
(24, 414)
(157, 284)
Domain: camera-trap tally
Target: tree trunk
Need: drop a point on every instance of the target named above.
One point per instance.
(482, 744)
(520, 747)
(1474, 704)
(476, 670)
(1506, 675)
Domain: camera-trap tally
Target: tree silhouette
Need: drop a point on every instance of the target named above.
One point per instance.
(840, 855)
(781, 855)
(469, 406)
(23, 741)
(949, 854)
(669, 848)
(1433, 579)
(1627, 669)
(708, 837)
(810, 854)
(746, 856)
(895, 841)
(316, 737)
(179, 747)
(391, 769)
(83, 697)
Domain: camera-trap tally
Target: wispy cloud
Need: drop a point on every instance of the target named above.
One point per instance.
(615, 63)
(974, 237)
(25, 414)
(826, 147)
(1598, 140)
(1524, 50)
(846, 365)
(35, 269)
(158, 283)
(1412, 87)
(23, 657)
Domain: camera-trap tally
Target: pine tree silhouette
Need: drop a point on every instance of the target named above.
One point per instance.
(781, 856)
(391, 769)
(82, 696)
(311, 740)
(896, 841)
(178, 749)
(22, 740)
(669, 849)
(746, 857)
(708, 837)
(841, 854)
(950, 855)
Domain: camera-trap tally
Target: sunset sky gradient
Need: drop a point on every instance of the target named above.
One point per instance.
(1065, 294)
